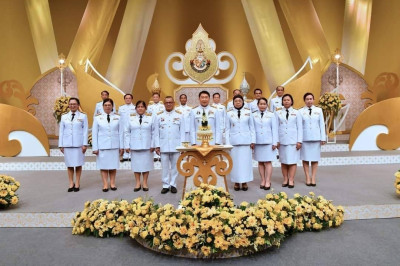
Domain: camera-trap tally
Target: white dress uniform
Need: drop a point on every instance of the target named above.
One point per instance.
(313, 133)
(230, 106)
(221, 108)
(253, 105)
(107, 139)
(185, 110)
(155, 108)
(139, 137)
(275, 104)
(170, 133)
(240, 133)
(73, 135)
(214, 120)
(99, 109)
(266, 129)
(290, 132)
(125, 111)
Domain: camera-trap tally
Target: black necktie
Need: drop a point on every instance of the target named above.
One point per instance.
(309, 110)
(262, 114)
(73, 116)
(108, 118)
(238, 113)
(140, 119)
(287, 114)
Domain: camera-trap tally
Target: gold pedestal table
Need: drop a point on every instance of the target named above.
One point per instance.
(204, 164)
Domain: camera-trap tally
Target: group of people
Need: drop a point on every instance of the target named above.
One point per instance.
(255, 129)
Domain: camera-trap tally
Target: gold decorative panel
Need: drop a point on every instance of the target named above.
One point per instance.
(13, 93)
(386, 85)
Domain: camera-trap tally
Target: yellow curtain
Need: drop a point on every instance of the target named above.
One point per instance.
(269, 40)
(128, 49)
(357, 20)
(306, 30)
(38, 13)
(93, 31)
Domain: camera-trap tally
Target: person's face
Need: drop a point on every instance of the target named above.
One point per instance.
(156, 98)
(257, 94)
(183, 99)
(73, 105)
(140, 109)
(204, 99)
(238, 103)
(287, 102)
(309, 100)
(128, 99)
(216, 98)
(104, 95)
(262, 105)
(169, 104)
(236, 92)
(107, 107)
(280, 91)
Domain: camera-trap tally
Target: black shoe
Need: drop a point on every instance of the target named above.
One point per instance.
(173, 189)
(164, 190)
(262, 187)
(145, 189)
(76, 189)
(236, 187)
(113, 188)
(285, 185)
(122, 160)
(313, 185)
(105, 189)
(155, 159)
(71, 188)
(245, 187)
(308, 184)
(137, 189)
(267, 188)
(291, 186)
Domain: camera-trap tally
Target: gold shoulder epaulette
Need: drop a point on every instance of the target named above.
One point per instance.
(160, 112)
(148, 114)
(134, 114)
(195, 107)
(97, 114)
(179, 112)
(161, 102)
(116, 113)
(150, 103)
(247, 108)
(254, 111)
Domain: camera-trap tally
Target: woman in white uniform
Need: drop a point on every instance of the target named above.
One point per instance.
(240, 134)
(266, 140)
(72, 141)
(107, 143)
(139, 134)
(313, 137)
(290, 132)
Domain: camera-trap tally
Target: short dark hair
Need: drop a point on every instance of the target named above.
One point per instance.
(105, 92)
(108, 100)
(128, 94)
(204, 92)
(287, 95)
(257, 89)
(216, 93)
(140, 102)
(238, 96)
(182, 95)
(76, 99)
(154, 93)
(307, 94)
(280, 87)
(236, 90)
(262, 99)
(169, 97)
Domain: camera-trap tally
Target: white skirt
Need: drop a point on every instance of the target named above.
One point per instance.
(73, 156)
(288, 154)
(264, 153)
(311, 151)
(142, 161)
(242, 170)
(108, 159)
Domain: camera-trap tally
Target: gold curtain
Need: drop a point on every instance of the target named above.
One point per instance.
(357, 19)
(269, 40)
(306, 30)
(129, 47)
(38, 12)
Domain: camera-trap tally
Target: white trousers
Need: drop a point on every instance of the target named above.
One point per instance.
(169, 171)
(127, 155)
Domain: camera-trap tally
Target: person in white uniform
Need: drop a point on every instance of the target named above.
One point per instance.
(73, 141)
(125, 111)
(155, 107)
(257, 96)
(99, 106)
(276, 103)
(139, 140)
(185, 110)
(229, 105)
(213, 118)
(170, 133)
(240, 133)
(107, 143)
(221, 108)
(313, 137)
(266, 130)
(290, 130)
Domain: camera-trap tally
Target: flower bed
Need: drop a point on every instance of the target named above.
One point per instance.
(8, 187)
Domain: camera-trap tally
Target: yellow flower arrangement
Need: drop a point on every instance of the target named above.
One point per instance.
(330, 103)
(397, 182)
(208, 224)
(60, 107)
(8, 187)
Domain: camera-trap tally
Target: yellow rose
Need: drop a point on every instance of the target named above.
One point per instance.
(205, 250)
(3, 193)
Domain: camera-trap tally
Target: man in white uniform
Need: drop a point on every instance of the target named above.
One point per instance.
(99, 106)
(170, 133)
(125, 111)
(185, 110)
(229, 106)
(213, 118)
(156, 106)
(276, 103)
(221, 108)
(254, 104)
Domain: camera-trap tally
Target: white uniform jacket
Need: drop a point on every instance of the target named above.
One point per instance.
(155, 108)
(291, 130)
(240, 131)
(230, 106)
(170, 131)
(221, 108)
(214, 120)
(99, 109)
(126, 110)
(185, 110)
(140, 136)
(266, 128)
(313, 125)
(275, 104)
(73, 133)
(106, 135)
(253, 105)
